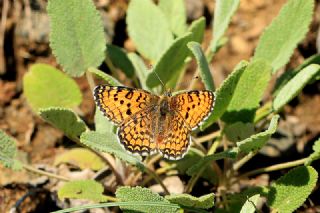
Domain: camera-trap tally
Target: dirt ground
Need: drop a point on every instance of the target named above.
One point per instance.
(24, 41)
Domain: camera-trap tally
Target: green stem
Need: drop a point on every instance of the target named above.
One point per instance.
(243, 160)
(41, 172)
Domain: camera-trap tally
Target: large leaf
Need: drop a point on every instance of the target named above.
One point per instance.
(45, 86)
(203, 202)
(142, 194)
(175, 12)
(291, 190)
(76, 37)
(197, 29)
(295, 85)
(238, 131)
(224, 94)
(65, 120)
(250, 205)
(102, 123)
(222, 16)
(170, 62)
(148, 28)
(8, 152)
(277, 43)
(82, 189)
(248, 93)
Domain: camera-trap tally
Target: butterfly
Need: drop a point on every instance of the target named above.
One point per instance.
(148, 123)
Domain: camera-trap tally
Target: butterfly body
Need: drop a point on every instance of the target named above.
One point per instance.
(149, 123)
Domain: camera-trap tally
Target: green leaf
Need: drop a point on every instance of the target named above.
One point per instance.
(203, 202)
(45, 86)
(107, 142)
(315, 155)
(248, 93)
(82, 189)
(148, 28)
(202, 62)
(175, 13)
(120, 59)
(166, 67)
(81, 157)
(8, 152)
(250, 205)
(207, 159)
(239, 131)
(108, 78)
(224, 10)
(65, 120)
(278, 41)
(102, 123)
(77, 37)
(257, 141)
(295, 85)
(142, 194)
(291, 190)
(197, 29)
(224, 94)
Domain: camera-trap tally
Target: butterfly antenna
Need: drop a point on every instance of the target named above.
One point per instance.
(159, 79)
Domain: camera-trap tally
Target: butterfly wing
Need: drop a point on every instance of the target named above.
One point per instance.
(118, 103)
(136, 133)
(193, 106)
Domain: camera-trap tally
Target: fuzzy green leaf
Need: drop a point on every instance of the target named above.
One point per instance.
(108, 78)
(224, 10)
(224, 94)
(315, 155)
(107, 142)
(102, 123)
(81, 157)
(278, 41)
(45, 86)
(291, 190)
(175, 13)
(170, 62)
(203, 202)
(197, 29)
(77, 37)
(248, 93)
(202, 62)
(142, 194)
(148, 28)
(295, 85)
(239, 131)
(65, 120)
(8, 152)
(207, 159)
(120, 59)
(82, 189)
(257, 141)
(251, 204)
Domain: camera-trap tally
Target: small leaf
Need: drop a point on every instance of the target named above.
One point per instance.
(142, 194)
(82, 189)
(102, 124)
(224, 94)
(148, 28)
(257, 141)
(108, 78)
(203, 202)
(120, 59)
(250, 205)
(291, 190)
(289, 29)
(315, 155)
(202, 62)
(166, 67)
(44, 86)
(295, 85)
(8, 152)
(175, 13)
(108, 142)
(65, 120)
(81, 157)
(248, 93)
(239, 131)
(207, 159)
(224, 10)
(76, 38)
(197, 28)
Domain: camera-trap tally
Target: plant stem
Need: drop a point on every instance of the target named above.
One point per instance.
(112, 68)
(40, 172)
(157, 179)
(208, 137)
(243, 160)
(90, 80)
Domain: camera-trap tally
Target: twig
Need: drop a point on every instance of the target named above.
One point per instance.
(208, 137)
(90, 80)
(243, 160)
(157, 179)
(41, 172)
